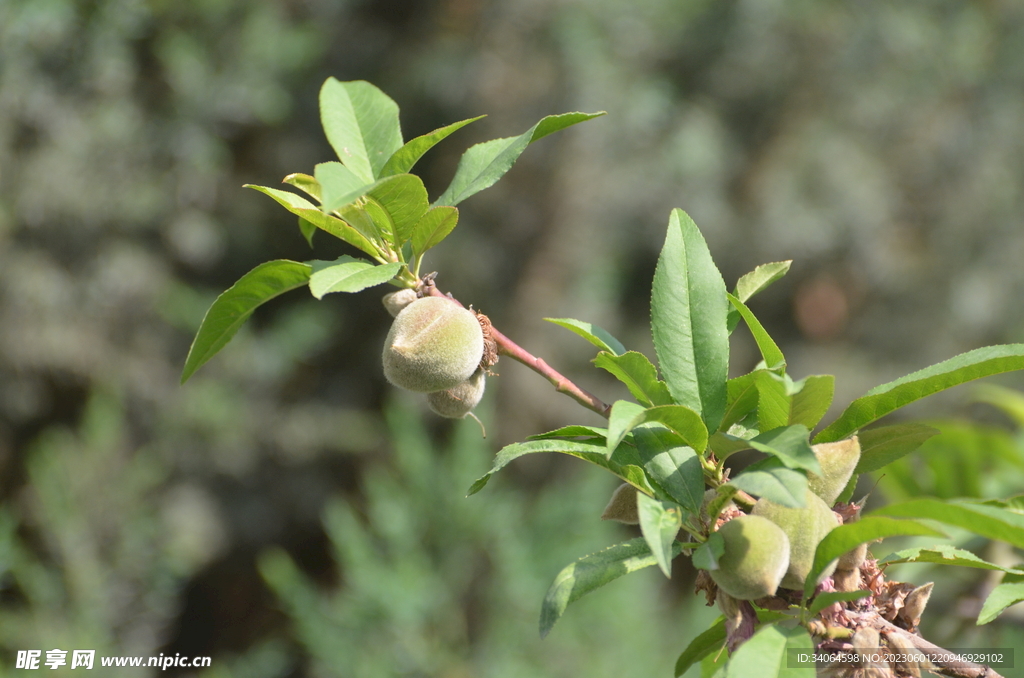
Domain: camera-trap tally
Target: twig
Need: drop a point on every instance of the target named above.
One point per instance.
(513, 350)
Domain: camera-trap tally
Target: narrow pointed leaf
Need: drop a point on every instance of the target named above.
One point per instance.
(307, 229)
(851, 535)
(404, 199)
(811, 402)
(304, 209)
(764, 654)
(638, 374)
(775, 482)
(361, 123)
(348, 274)
(988, 521)
(688, 320)
(404, 158)
(572, 431)
(234, 306)
(760, 278)
(485, 163)
(887, 398)
(674, 467)
(592, 333)
(659, 523)
(770, 351)
(1002, 597)
(684, 422)
(790, 445)
(944, 554)
(305, 183)
(590, 573)
(433, 227)
(885, 444)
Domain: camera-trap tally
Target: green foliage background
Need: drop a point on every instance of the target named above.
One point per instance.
(876, 145)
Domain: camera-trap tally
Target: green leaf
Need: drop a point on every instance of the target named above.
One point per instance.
(404, 158)
(688, 320)
(659, 523)
(592, 572)
(234, 306)
(790, 445)
(887, 398)
(770, 351)
(851, 535)
(307, 228)
(433, 227)
(485, 163)
(775, 482)
(404, 199)
(1002, 597)
(760, 278)
(885, 444)
(705, 556)
(638, 374)
(674, 467)
(348, 274)
(684, 422)
(361, 124)
(823, 600)
(712, 639)
(305, 183)
(304, 209)
(572, 431)
(988, 521)
(592, 333)
(774, 404)
(741, 400)
(624, 462)
(944, 554)
(811, 402)
(764, 654)
(339, 186)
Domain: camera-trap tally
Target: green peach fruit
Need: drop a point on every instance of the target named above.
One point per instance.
(805, 527)
(434, 344)
(838, 461)
(755, 559)
(459, 400)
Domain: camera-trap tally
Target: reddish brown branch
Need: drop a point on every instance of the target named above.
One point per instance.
(513, 350)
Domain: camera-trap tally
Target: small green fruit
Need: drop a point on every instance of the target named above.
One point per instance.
(396, 301)
(755, 559)
(838, 461)
(459, 400)
(434, 344)
(805, 527)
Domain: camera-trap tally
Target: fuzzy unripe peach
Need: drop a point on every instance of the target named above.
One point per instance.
(434, 344)
(805, 528)
(755, 559)
(459, 400)
(838, 461)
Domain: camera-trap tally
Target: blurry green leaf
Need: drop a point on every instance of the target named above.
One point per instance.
(485, 163)
(988, 521)
(688, 316)
(889, 397)
(659, 523)
(592, 572)
(770, 351)
(433, 227)
(1002, 597)
(773, 481)
(638, 374)
(885, 444)
(764, 654)
(307, 228)
(404, 158)
(361, 124)
(705, 556)
(811, 402)
(1008, 400)
(404, 199)
(672, 466)
(773, 402)
(823, 600)
(712, 639)
(305, 183)
(760, 278)
(741, 399)
(572, 431)
(684, 422)
(944, 554)
(588, 450)
(790, 445)
(725, 444)
(851, 535)
(339, 186)
(592, 333)
(234, 306)
(347, 274)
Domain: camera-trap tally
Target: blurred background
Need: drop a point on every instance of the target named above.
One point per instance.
(288, 513)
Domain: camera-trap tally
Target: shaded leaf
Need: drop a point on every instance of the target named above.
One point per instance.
(773, 402)
(361, 124)
(705, 556)
(741, 399)
(773, 481)
(405, 157)
(592, 333)
(883, 445)
(659, 523)
(688, 321)
(1001, 598)
(307, 228)
(988, 521)
(433, 227)
(712, 639)
(573, 431)
(403, 198)
(347, 274)
(234, 306)
(638, 374)
(305, 183)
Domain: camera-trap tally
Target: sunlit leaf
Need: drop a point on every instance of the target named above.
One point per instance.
(404, 158)
(592, 333)
(361, 124)
(348, 274)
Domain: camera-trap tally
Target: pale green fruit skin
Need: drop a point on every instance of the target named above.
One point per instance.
(434, 344)
(805, 527)
(459, 400)
(755, 559)
(396, 301)
(838, 460)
